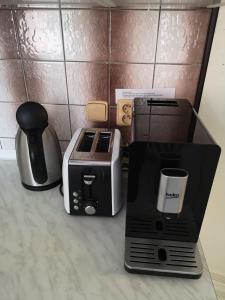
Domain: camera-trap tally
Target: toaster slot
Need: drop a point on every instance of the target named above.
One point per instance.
(103, 142)
(86, 142)
(162, 103)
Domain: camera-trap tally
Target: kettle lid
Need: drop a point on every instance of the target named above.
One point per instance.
(32, 115)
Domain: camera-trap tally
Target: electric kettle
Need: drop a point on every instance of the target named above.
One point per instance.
(38, 152)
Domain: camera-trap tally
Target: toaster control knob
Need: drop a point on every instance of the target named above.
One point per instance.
(90, 209)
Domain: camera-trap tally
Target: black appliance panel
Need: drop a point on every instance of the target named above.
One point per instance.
(168, 124)
(97, 194)
(168, 134)
(146, 161)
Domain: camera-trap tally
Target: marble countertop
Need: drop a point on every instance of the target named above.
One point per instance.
(47, 254)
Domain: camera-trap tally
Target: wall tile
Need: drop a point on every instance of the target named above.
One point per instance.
(112, 114)
(85, 34)
(8, 123)
(126, 135)
(133, 76)
(182, 36)
(8, 43)
(46, 82)
(63, 145)
(181, 40)
(183, 78)
(58, 116)
(87, 81)
(40, 34)
(7, 144)
(134, 35)
(78, 120)
(12, 88)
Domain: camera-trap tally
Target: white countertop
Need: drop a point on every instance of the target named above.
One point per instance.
(47, 254)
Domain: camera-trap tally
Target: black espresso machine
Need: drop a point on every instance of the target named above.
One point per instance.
(172, 163)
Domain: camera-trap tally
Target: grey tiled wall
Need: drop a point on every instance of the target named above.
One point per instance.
(63, 58)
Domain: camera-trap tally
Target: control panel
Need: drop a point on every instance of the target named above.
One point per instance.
(90, 190)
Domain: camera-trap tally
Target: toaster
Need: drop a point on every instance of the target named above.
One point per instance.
(92, 173)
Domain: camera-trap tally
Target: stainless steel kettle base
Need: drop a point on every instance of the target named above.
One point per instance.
(161, 257)
(42, 188)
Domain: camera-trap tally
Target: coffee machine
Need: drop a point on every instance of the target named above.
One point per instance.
(172, 163)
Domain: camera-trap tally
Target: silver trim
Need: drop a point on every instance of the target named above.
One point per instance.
(89, 163)
(116, 174)
(172, 189)
(65, 169)
(183, 258)
(52, 154)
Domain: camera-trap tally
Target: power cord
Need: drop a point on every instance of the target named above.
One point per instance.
(61, 189)
(125, 159)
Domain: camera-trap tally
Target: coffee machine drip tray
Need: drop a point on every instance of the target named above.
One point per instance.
(162, 257)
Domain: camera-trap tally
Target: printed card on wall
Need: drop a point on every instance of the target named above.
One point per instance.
(162, 93)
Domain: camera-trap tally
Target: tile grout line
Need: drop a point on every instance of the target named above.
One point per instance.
(100, 62)
(15, 24)
(71, 7)
(65, 69)
(43, 103)
(109, 64)
(156, 48)
(13, 138)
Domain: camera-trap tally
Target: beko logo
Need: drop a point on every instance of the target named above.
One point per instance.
(172, 196)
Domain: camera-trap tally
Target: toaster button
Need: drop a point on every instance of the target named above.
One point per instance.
(90, 210)
(75, 201)
(76, 207)
(75, 194)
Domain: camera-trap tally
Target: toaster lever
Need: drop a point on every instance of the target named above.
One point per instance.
(89, 179)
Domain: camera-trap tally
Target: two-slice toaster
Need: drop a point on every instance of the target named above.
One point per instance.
(92, 173)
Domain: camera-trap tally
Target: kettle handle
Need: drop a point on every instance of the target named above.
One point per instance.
(37, 158)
